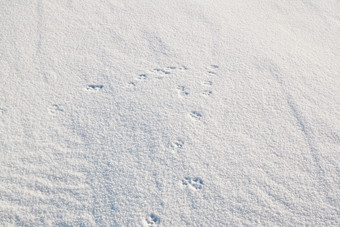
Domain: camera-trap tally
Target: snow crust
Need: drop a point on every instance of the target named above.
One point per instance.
(170, 113)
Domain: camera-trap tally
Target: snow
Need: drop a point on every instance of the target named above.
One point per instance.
(170, 113)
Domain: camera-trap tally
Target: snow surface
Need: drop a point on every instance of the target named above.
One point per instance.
(170, 113)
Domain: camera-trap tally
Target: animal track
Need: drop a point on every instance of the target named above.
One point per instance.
(131, 83)
(177, 145)
(92, 87)
(196, 115)
(2, 111)
(208, 83)
(207, 93)
(161, 71)
(183, 90)
(54, 109)
(179, 68)
(152, 220)
(168, 70)
(183, 67)
(212, 68)
(142, 77)
(194, 183)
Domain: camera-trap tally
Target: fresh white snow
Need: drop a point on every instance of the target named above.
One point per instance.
(170, 113)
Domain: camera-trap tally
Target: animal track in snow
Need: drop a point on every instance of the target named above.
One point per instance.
(54, 109)
(193, 182)
(131, 83)
(2, 111)
(152, 220)
(196, 115)
(207, 93)
(177, 68)
(212, 68)
(208, 83)
(92, 87)
(183, 67)
(160, 73)
(183, 90)
(177, 145)
(163, 71)
(169, 70)
(211, 72)
(142, 77)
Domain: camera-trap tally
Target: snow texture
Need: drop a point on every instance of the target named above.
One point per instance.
(170, 113)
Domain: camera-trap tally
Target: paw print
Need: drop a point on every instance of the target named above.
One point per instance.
(2, 111)
(184, 91)
(207, 93)
(177, 145)
(142, 77)
(92, 87)
(55, 109)
(152, 220)
(164, 71)
(212, 68)
(194, 183)
(196, 115)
